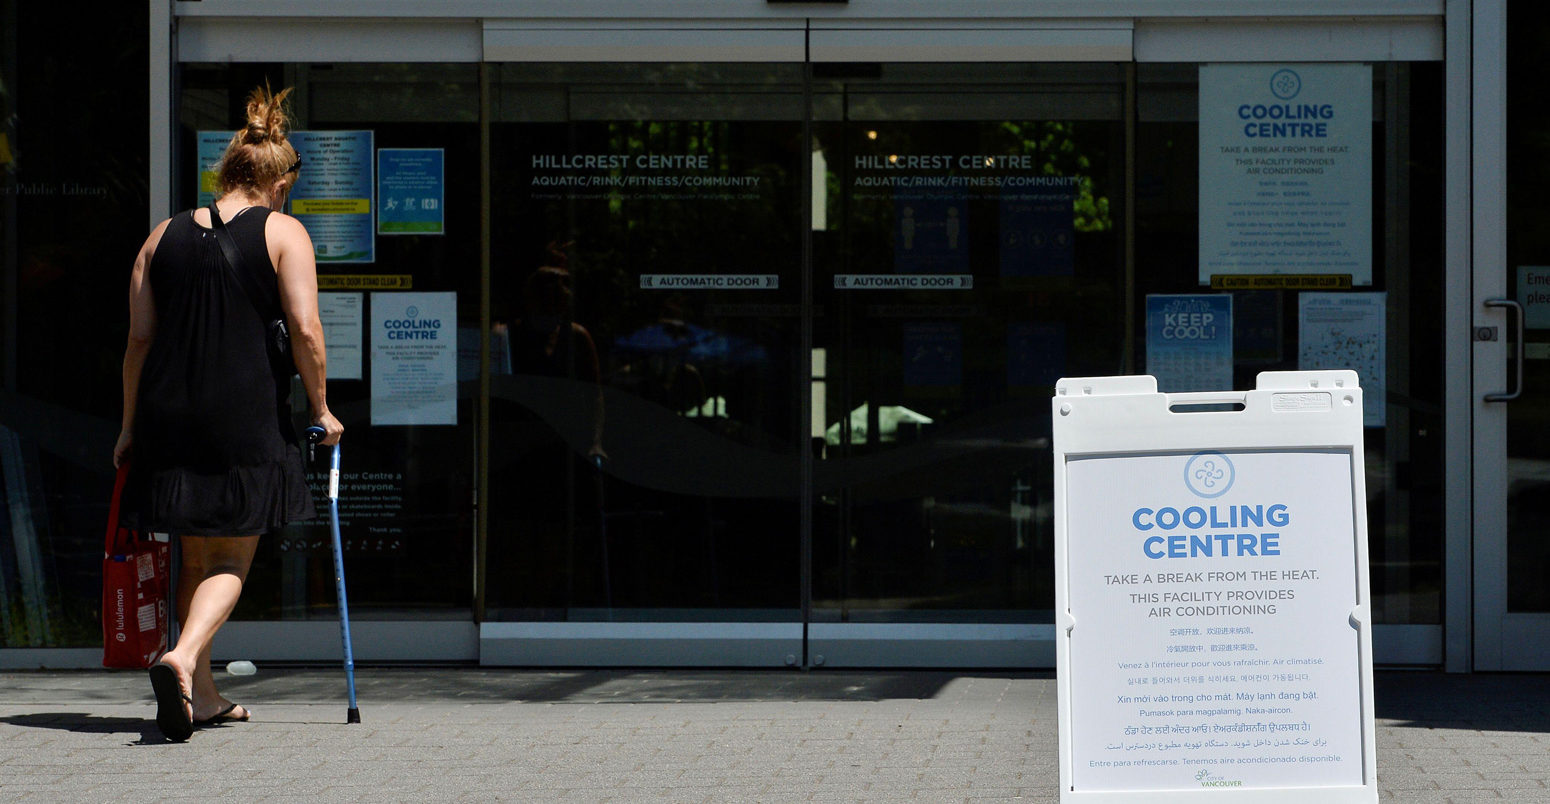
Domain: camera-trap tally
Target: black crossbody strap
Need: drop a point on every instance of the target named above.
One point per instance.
(233, 256)
(279, 339)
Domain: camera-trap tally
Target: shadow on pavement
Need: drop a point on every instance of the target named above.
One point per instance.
(89, 724)
(1480, 701)
(594, 686)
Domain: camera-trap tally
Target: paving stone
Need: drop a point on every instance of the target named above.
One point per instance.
(477, 734)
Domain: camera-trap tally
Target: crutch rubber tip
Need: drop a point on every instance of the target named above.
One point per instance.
(353, 716)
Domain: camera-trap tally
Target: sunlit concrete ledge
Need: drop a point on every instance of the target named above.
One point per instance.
(576, 644)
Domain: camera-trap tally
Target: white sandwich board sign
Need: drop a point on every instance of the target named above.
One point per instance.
(1213, 627)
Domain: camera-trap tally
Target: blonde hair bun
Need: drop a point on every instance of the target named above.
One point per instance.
(258, 154)
(266, 115)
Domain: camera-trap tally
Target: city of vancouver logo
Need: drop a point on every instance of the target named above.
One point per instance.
(1285, 84)
(1209, 779)
(1209, 474)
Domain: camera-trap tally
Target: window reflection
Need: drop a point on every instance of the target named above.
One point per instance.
(972, 242)
(677, 187)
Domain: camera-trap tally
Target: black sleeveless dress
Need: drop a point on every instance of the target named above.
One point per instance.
(214, 452)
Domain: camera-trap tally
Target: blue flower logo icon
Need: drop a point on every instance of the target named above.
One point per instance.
(1209, 474)
(1285, 84)
(411, 312)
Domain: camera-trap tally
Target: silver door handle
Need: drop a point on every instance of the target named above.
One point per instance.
(1518, 384)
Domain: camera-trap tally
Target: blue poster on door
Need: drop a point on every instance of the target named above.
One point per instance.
(931, 235)
(933, 354)
(1035, 354)
(333, 194)
(411, 189)
(1038, 232)
(1189, 341)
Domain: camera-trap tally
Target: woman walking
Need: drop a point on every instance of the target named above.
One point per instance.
(207, 426)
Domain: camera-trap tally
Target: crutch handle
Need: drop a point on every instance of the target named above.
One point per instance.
(314, 434)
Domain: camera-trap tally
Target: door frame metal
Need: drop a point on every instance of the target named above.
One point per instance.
(1503, 640)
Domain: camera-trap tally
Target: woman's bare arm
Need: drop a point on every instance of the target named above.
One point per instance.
(290, 248)
(142, 332)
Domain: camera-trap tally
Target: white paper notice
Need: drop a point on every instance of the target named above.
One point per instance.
(413, 358)
(1346, 331)
(1534, 295)
(1286, 170)
(343, 316)
(1212, 646)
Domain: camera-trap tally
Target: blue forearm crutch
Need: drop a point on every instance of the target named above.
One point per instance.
(314, 435)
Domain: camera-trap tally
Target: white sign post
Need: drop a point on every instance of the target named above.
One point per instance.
(1213, 626)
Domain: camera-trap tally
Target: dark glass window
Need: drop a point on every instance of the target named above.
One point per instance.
(407, 490)
(970, 255)
(646, 280)
(73, 211)
(1404, 456)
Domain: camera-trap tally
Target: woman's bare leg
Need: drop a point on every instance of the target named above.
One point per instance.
(204, 678)
(214, 569)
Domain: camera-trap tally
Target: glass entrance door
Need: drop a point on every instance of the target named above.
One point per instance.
(989, 228)
(1513, 599)
(389, 191)
(968, 251)
(645, 371)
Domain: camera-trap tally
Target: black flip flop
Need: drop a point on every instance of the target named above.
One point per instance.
(171, 717)
(222, 717)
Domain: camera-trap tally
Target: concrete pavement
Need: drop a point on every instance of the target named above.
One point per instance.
(474, 734)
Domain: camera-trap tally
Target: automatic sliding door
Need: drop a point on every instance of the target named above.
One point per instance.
(646, 372)
(970, 255)
(389, 191)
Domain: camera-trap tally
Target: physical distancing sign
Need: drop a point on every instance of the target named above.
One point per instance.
(1213, 626)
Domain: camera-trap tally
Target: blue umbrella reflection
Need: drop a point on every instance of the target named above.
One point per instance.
(692, 343)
